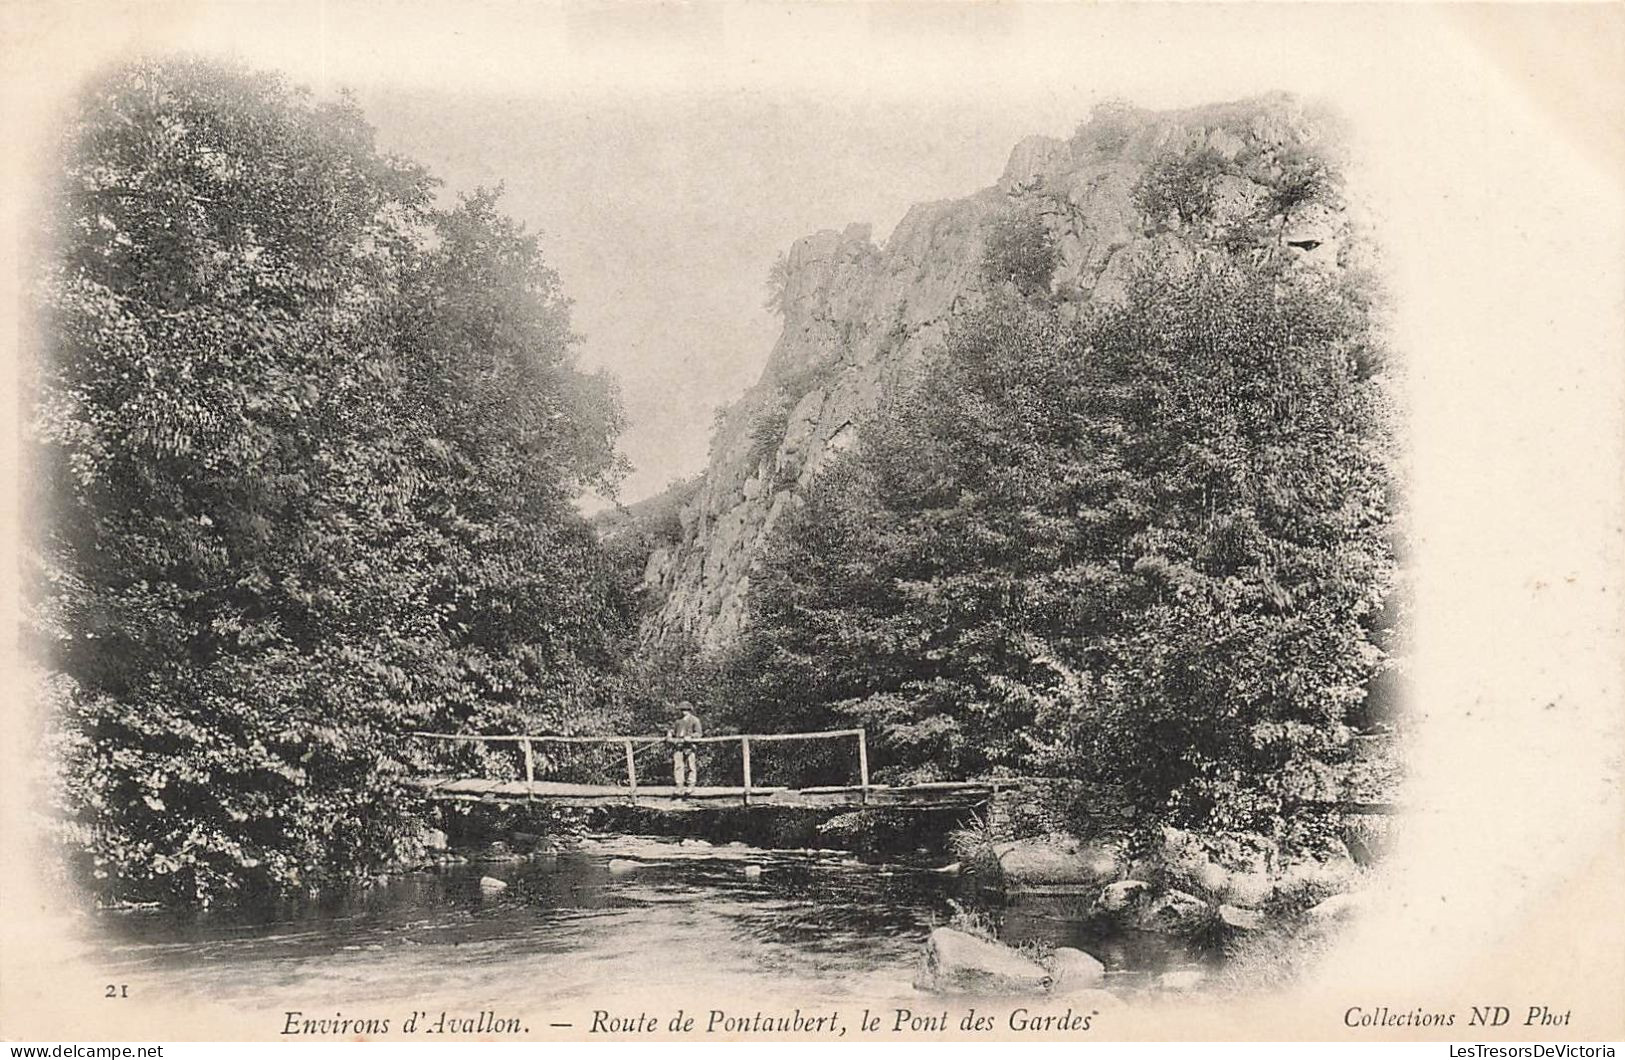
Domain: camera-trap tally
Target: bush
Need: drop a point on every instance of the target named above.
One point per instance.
(1019, 249)
(778, 281)
(1181, 186)
(768, 426)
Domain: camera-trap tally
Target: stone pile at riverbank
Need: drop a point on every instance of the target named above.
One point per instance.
(1227, 899)
(1181, 884)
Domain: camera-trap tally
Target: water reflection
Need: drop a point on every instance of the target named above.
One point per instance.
(671, 914)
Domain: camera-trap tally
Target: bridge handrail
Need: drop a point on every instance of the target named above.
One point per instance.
(742, 738)
(760, 737)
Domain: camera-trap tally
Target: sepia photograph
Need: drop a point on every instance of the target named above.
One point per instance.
(862, 523)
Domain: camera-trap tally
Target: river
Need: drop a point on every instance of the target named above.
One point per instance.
(613, 915)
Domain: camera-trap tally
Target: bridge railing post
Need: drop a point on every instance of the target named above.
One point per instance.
(530, 772)
(863, 766)
(632, 771)
(744, 755)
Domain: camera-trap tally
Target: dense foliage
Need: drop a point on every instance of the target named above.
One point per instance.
(1019, 249)
(1148, 549)
(307, 445)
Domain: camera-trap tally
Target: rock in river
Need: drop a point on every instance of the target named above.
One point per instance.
(1058, 863)
(960, 963)
(492, 885)
(1122, 894)
(1137, 904)
(1173, 911)
(1075, 970)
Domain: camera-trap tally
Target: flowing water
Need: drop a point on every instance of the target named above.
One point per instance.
(614, 915)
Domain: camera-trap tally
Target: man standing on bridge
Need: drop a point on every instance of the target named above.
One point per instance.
(687, 729)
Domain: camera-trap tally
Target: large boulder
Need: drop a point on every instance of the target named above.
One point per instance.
(1137, 904)
(957, 962)
(1074, 970)
(1248, 889)
(529, 842)
(1233, 871)
(1170, 911)
(1119, 896)
(1051, 863)
(1238, 919)
(1311, 881)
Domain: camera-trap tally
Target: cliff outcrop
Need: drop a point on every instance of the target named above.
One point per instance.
(1129, 189)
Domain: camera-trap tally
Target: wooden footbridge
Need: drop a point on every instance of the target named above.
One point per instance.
(633, 792)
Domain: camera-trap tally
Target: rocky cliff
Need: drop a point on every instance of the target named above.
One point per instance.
(1131, 188)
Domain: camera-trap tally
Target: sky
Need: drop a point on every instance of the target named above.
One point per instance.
(668, 152)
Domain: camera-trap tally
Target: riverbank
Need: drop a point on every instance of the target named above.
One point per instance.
(1261, 917)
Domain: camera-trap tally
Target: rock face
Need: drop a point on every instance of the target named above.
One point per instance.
(859, 315)
(960, 963)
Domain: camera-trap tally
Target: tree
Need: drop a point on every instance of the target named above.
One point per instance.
(897, 595)
(304, 450)
(1235, 503)
(1181, 185)
(1147, 550)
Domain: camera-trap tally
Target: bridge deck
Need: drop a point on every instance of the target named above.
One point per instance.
(666, 797)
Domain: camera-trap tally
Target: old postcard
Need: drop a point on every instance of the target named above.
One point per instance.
(856, 523)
